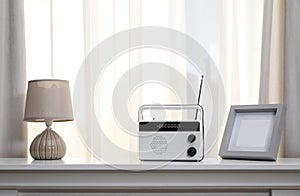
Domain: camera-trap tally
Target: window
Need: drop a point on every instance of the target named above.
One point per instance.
(60, 34)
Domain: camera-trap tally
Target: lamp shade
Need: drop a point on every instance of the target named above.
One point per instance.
(48, 99)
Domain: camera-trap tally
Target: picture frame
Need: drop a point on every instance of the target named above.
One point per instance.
(253, 132)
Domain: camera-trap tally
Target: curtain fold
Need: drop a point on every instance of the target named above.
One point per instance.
(292, 79)
(13, 133)
(271, 78)
(280, 59)
(272, 58)
(265, 52)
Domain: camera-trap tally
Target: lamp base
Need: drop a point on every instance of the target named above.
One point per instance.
(48, 146)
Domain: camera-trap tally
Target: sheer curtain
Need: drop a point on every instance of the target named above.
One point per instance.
(54, 49)
(240, 49)
(67, 32)
(12, 80)
(60, 34)
(231, 32)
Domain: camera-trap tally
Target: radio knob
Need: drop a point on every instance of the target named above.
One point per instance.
(191, 151)
(191, 138)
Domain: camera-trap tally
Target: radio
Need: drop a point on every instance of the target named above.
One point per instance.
(171, 133)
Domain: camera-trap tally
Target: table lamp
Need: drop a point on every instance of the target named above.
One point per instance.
(48, 101)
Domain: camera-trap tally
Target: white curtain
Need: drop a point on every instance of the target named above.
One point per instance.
(13, 132)
(230, 31)
(101, 20)
(67, 34)
(240, 38)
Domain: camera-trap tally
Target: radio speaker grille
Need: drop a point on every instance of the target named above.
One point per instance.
(159, 144)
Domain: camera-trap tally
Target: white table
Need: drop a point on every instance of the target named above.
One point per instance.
(211, 177)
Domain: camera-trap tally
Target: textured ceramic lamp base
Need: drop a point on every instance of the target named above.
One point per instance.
(48, 146)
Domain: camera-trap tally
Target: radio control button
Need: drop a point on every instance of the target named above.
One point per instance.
(191, 152)
(191, 138)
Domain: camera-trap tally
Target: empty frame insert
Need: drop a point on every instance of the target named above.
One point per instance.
(253, 132)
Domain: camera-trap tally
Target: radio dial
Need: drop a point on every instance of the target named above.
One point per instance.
(191, 151)
(191, 138)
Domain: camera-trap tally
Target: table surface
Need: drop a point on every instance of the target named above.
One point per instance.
(90, 175)
(9, 164)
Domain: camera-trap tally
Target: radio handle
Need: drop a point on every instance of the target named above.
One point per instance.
(169, 107)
